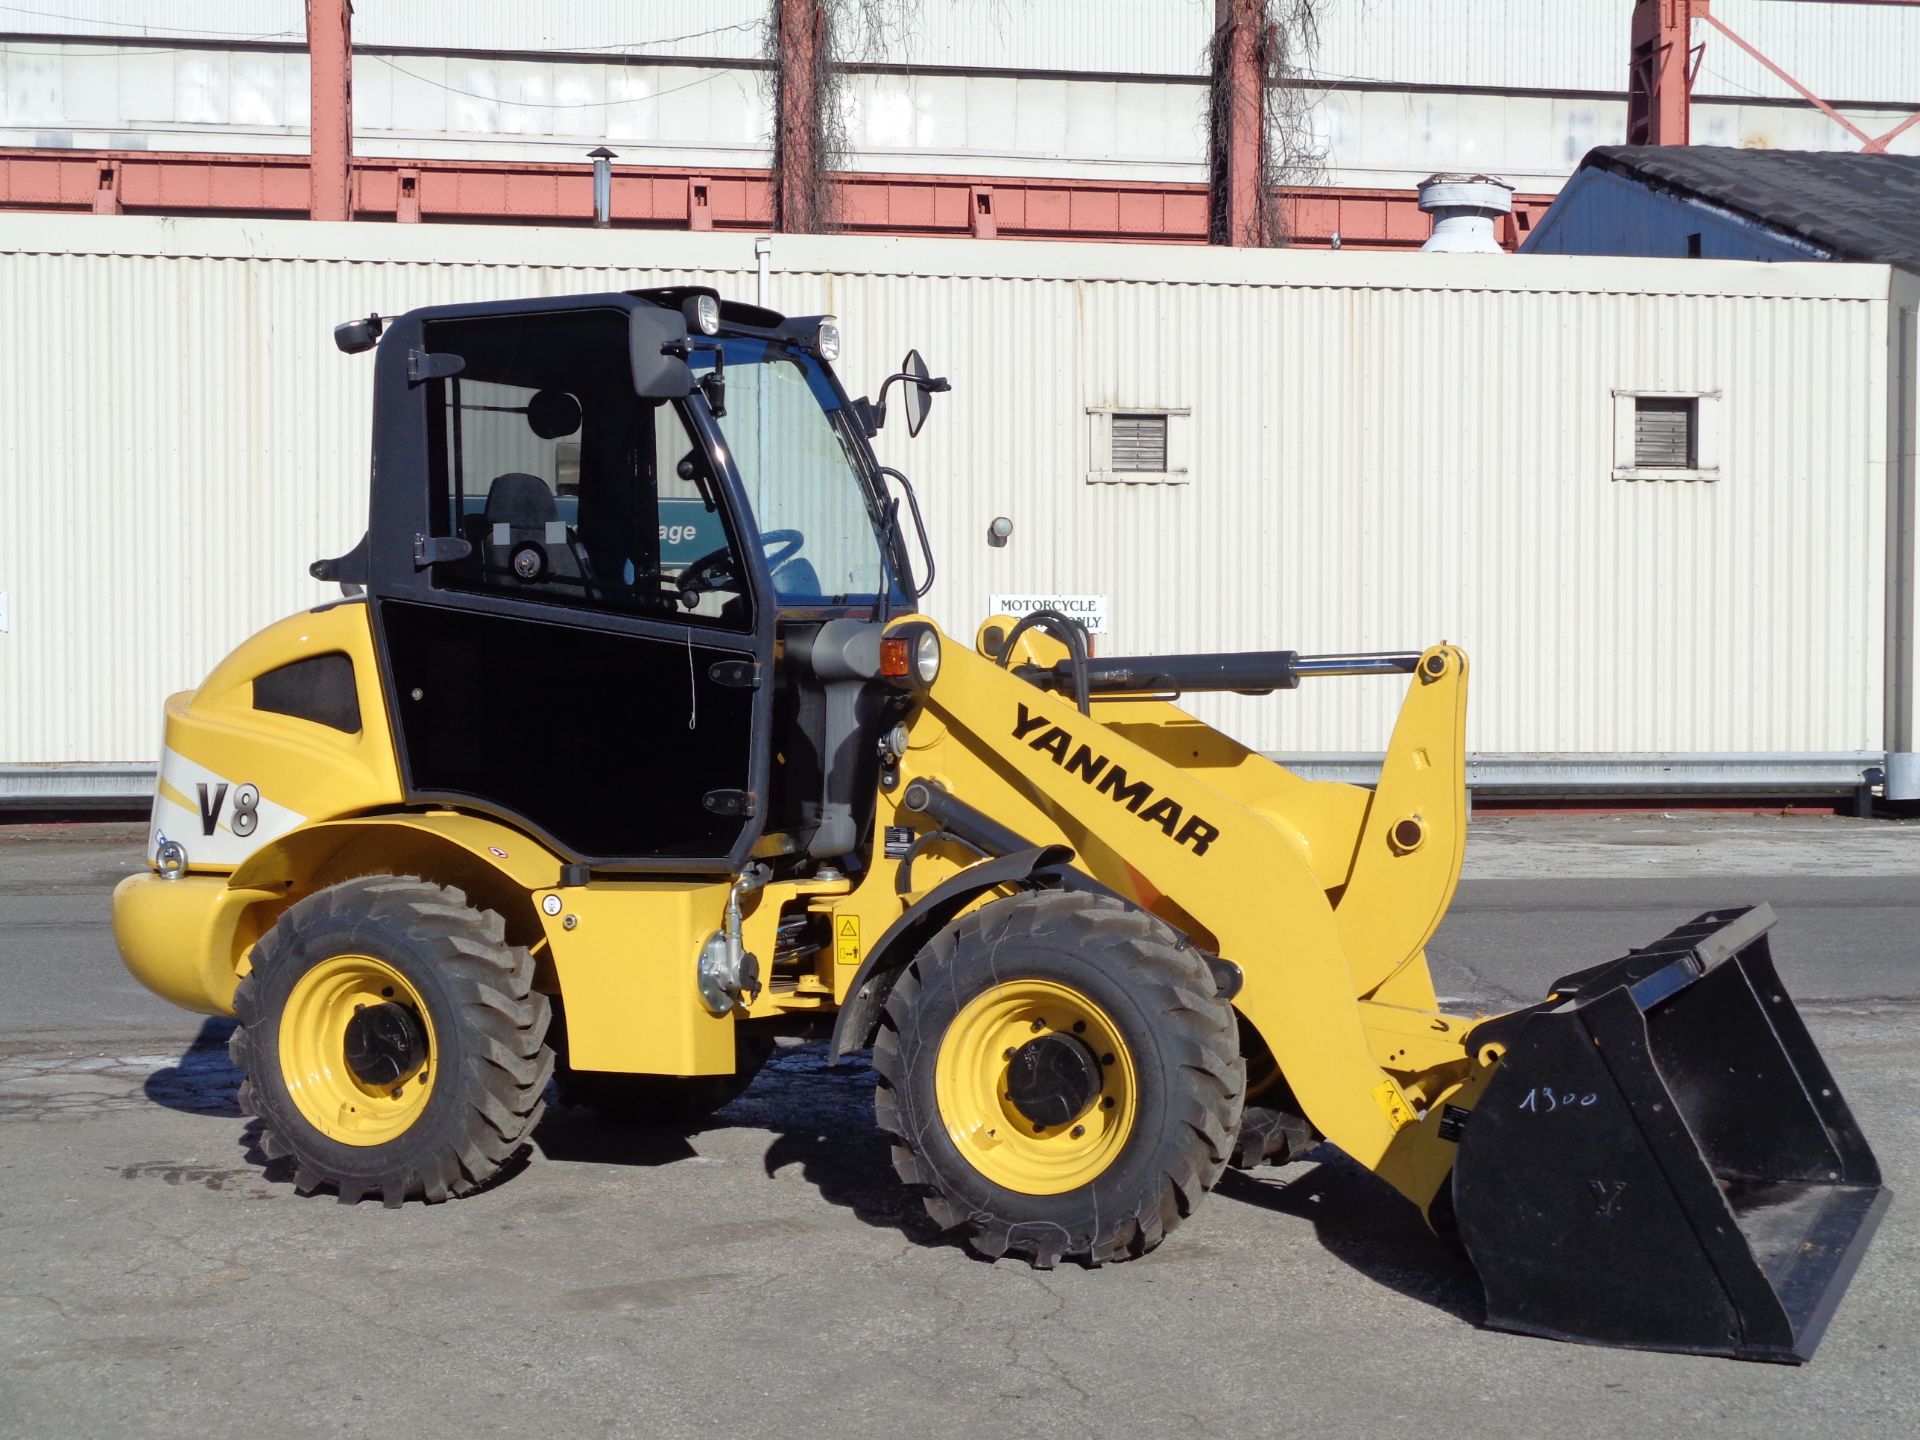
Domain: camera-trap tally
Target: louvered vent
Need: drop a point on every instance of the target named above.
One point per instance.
(1663, 433)
(1140, 443)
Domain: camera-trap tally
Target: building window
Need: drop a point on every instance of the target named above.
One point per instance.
(1666, 435)
(1137, 446)
(1665, 430)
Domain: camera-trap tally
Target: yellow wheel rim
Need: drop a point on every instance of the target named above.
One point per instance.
(323, 1016)
(975, 1071)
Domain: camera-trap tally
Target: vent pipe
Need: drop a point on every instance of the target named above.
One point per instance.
(603, 159)
(1464, 208)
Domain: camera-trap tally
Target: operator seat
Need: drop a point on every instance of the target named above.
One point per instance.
(521, 511)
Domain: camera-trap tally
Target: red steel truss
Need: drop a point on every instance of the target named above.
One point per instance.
(1664, 60)
(482, 191)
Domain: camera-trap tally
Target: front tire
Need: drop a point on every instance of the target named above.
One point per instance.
(1060, 1078)
(392, 1041)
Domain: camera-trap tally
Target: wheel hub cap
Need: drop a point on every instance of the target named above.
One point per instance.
(384, 1042)
(1053, 1079)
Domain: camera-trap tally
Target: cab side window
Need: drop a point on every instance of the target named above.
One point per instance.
(569, 488)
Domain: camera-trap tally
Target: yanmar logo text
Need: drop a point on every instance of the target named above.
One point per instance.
(1113, 782)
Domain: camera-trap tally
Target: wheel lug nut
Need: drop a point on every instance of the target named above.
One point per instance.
(1039, 1025)
(1009, 1053)
(1038, 1127)
(1078, 1131)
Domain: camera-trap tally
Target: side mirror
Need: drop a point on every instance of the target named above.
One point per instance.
(919, 396)
(922, 386)
(656, 374)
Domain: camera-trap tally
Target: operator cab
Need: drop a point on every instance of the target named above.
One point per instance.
(628, 554)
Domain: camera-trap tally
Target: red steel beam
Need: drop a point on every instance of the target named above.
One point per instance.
(1241, 24)
(1663, 62)
(798, 123)
(1661, 67)
(330, 66)
(158, 182)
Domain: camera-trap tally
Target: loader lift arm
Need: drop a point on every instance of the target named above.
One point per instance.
(1346, 1002)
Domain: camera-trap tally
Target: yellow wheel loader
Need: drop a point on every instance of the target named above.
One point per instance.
(626, 752)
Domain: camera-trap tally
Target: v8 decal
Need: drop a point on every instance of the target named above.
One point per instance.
(246, 808)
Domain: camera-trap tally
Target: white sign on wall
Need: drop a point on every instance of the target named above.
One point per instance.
(1089, 610)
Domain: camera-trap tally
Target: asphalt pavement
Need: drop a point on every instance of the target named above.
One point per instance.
(768, 1273)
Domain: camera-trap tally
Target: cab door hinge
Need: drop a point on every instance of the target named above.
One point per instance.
(741, 674)
(422, 366)
(729, 802)
(431, 550)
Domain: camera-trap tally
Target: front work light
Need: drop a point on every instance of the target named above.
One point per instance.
(926, 656)
(707, 314)
(826, 340)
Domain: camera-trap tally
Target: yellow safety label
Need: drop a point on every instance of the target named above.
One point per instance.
(846, 940)
(1388, 1096)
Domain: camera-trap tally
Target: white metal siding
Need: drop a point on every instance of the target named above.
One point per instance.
(1844, 51)
(176, 20)
(1840, 52)
(733, 29)
(1385, 451)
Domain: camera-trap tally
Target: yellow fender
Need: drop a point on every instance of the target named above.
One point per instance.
(622, 953)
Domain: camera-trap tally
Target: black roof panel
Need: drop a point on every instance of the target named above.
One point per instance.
(1861, 207)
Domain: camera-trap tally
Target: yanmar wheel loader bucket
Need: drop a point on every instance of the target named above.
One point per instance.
(1662, 1159)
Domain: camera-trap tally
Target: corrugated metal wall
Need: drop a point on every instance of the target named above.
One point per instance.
(1385, 451)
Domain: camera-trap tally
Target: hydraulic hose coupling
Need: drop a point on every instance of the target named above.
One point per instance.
(727, 974)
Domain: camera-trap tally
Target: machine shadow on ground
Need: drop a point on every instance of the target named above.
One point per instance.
(819, 1118)
(1365, 1225)
(203, 1081)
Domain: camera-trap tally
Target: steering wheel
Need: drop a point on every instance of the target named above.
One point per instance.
(714, 570)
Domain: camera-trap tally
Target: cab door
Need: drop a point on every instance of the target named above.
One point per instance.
(545, 661)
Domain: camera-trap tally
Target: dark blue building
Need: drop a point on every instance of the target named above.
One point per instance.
(1721, 203)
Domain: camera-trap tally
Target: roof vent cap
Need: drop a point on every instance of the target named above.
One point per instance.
(1464, 208)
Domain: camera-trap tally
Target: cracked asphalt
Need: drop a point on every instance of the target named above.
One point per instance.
(768, 1273)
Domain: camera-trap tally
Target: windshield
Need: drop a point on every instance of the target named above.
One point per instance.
(788, 432)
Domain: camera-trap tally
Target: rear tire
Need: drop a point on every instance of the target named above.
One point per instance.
(432, 1100)
(1272, 1129)
(1060, 1078)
